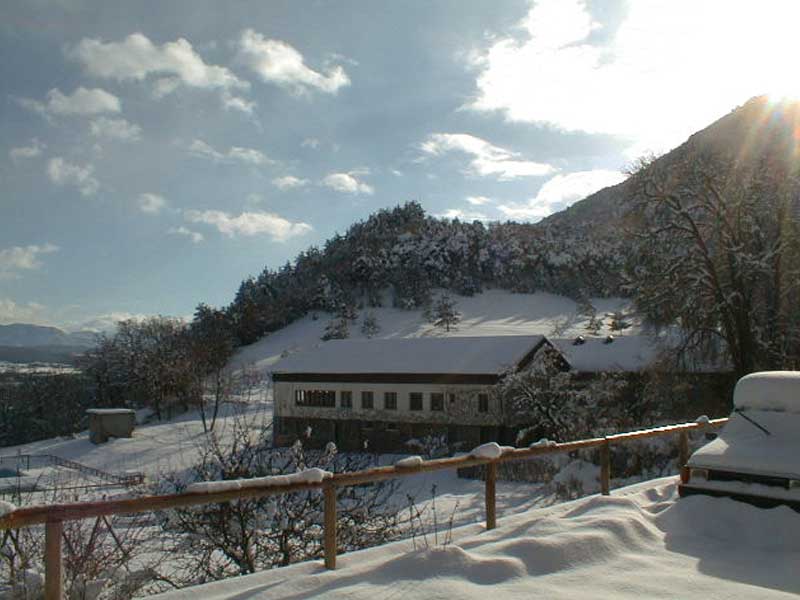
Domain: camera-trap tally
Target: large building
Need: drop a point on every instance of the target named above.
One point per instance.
(381, 393)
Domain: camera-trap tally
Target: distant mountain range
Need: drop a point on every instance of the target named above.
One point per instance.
(25, 343)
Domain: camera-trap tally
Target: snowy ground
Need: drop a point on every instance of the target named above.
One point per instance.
(642, 542)
(494, 312)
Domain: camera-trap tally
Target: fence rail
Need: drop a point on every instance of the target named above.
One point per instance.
(54, 515)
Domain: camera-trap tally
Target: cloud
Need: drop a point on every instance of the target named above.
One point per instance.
(279, 63)
(479, 200)
(22, 258)
(62, 172)
(82, 101)
(107, 322)
(289, 182)
(249, 224)
(312, 143)
(31, 312)
(462, 215)
(347, 183)
(667, 70)
(232, 102)
(136, 58)
(250, 156)
(195, 236)
(32, 151)
(151, 204)
(560, 192)
(115, 129)
(487, 159)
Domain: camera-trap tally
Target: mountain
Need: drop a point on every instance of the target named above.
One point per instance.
(22, 335)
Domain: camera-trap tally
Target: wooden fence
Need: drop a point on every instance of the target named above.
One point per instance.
(54, 515)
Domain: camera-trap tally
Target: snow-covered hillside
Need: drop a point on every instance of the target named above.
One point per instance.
(642, 542)
(494, 312)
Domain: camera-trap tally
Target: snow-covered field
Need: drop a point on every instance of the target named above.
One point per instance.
(494, 312)
(641, 542)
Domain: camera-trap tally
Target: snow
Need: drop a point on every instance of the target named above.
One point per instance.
(703, 420)
(409, 462)
(314, 475)
(110, 411)
(769, 390)
(543, 443)
(464, 355)
(594, 355)
(641, 542)
(6, 508)
(491, 450)
(584, 473)
(491, 313)
(742, 447)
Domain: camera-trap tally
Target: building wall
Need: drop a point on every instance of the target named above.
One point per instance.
(386, 430)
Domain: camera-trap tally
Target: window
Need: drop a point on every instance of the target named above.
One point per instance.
(346, 400)
(437, 401)
(390, 400)
(320, 398)
(483, 403)
(415, 400)
(392, 427)
(367, 400)
(452, 398)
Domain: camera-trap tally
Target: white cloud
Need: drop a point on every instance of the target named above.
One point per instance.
(278, 62)
(30, 312)
(249, 224)
(347, 183)
(250, 156)
(136, 58)
(62, 172)
(289, 182)
(32, 151)
(462, 215)
(670, 68)
(312, 143)
(195, 236)
(561, 191)
(151, 204)
(232, 102)
(115, 129)
(22, 258)
(479, 200)
(487, 159)
(82, 101)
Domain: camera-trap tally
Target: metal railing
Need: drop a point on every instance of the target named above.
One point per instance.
(54, 515)
(127, 479)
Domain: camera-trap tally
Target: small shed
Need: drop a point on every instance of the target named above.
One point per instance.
(110, 422)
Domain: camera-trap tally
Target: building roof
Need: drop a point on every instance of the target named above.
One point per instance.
(486, 355)
(624, 354)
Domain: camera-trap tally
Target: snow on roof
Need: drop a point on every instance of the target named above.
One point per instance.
(451, 355)
(769, 390)
(742, 447)
(110, 411)
(595, 355)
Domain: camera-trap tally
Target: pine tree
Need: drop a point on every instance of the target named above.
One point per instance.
(443, 312)
(369, 325)
(337, 329)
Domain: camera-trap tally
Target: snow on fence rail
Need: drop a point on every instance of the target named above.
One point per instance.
(54, 515)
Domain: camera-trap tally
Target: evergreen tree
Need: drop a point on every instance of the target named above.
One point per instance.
(443, 312)
(369, 325)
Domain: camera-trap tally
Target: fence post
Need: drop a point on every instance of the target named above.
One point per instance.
(683, 449)
(53, 581)
(605, 468)
(330, 526)
(491, 496)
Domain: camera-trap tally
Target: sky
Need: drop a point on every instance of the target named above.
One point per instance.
(153, 155)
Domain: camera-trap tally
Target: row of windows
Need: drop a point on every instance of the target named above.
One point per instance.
(327, 398)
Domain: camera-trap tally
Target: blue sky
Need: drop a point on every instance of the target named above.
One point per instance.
(152, 155)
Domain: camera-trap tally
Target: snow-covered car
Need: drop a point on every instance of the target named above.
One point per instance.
(756, 456)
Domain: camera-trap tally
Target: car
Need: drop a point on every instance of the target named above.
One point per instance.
(756, 456)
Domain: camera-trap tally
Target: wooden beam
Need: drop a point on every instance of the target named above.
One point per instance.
(53, 576)
(605, 469)
(330, 526)
(491, 495)
(683, 449)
